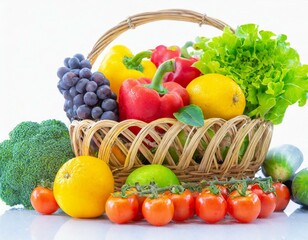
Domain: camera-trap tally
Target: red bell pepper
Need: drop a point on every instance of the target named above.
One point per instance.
(184, 71)
(147, 100)
(162, 53)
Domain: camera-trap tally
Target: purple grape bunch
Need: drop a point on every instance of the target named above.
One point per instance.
(87, 95)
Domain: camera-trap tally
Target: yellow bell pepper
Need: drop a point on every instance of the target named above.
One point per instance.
(120, 64)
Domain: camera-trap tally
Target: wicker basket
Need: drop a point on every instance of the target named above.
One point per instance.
(220, 149)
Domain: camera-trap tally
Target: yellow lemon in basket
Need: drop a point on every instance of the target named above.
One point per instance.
(217, 95)
(159, 174)
(82, 186)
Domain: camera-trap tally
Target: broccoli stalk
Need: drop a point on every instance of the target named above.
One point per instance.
(33, 153)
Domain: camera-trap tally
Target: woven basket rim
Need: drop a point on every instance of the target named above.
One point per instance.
(136, 20)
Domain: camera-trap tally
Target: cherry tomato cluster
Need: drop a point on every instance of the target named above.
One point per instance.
(211, 202)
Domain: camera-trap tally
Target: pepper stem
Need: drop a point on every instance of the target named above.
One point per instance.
(157, 81)
(184, 51)
(135, 61)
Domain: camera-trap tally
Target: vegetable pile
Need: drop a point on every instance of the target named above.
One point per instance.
(249, 71)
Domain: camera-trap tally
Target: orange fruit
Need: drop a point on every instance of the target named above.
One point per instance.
(82, 186)
(217, 95)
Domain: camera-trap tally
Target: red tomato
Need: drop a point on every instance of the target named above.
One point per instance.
(282, 196)
(158, 211)
(139, 215)
(121, 210)
(223, 190)
(195, 194)
(268, 201)
(244, 209)
(210, 207)
(184, 205)
(43, 200)
(140, 199)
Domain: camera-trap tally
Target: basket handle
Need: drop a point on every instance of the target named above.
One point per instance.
(146, 17)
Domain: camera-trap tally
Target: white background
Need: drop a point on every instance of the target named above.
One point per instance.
(37, 35)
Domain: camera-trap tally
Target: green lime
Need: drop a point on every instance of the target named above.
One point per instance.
(146, 174)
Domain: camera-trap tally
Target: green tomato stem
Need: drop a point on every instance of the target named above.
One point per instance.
(152, 190)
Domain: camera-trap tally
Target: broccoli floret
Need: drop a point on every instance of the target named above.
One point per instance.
(24, 130)
(34, 153)
(6, 153)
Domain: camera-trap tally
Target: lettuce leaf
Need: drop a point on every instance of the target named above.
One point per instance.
(264, 65)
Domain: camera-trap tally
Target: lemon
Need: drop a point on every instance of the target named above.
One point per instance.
(217, 95)
(159, 174)
(82, 186)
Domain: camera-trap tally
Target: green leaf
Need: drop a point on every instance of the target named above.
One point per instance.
(190, 115)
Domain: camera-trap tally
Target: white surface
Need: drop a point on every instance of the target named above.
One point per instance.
(37, 35)
(26, 225)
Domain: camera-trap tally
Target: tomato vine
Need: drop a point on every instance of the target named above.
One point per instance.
(208, 200)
